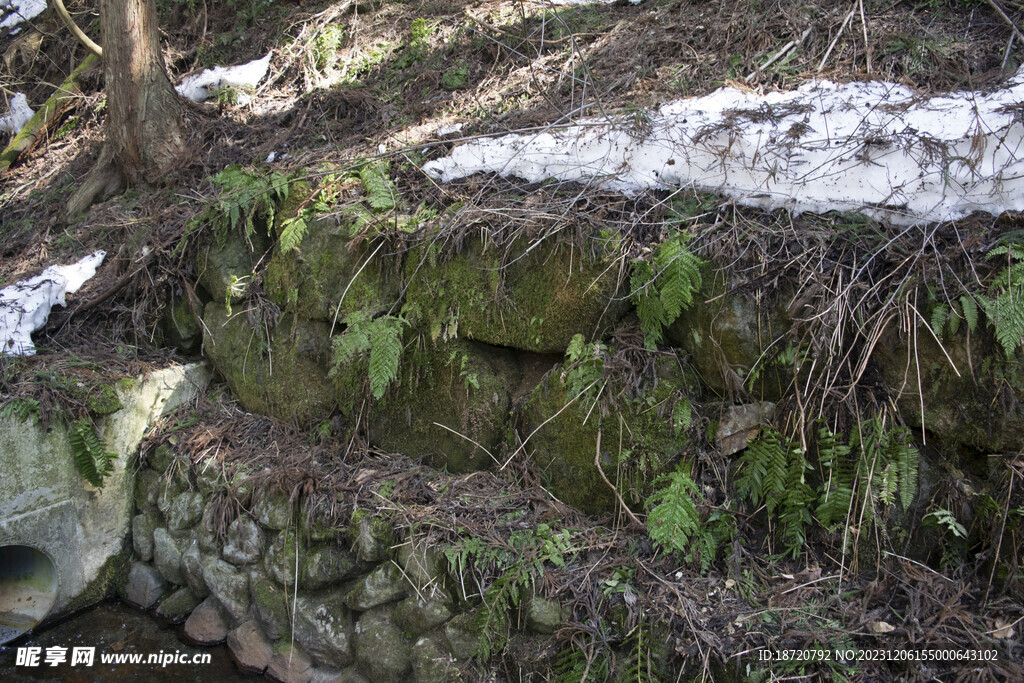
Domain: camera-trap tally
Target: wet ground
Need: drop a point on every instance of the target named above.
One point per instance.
(117, 632)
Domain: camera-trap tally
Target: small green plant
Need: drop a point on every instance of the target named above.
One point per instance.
(674, 523)
(326, 44)
(585, 368)
(246, 196)
(664, 287)
(516, 566)
(418, 47)
(1004, 306)
(381, 338)
(21, 409)
(92, 460)
(455, 77)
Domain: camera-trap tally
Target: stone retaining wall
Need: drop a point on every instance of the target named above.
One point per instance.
(353, 604)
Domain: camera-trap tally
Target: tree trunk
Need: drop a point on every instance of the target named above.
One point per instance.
(145, 137)
(144, 125)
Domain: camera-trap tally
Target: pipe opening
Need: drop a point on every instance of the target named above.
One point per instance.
(28, 589)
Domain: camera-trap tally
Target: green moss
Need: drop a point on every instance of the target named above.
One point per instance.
(464, 386)
(311, 281)
(110, 579)
(535, 297)
(564, 449)
(126, 384)
(286, 378)
(103, 400)
(729, 332)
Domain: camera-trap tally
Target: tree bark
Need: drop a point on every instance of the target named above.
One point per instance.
(145, 134)
(144, 118)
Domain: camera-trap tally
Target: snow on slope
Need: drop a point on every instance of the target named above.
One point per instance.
(198, 87)
(874, 147)
(18, 115)
(17, 11)
(25, 305)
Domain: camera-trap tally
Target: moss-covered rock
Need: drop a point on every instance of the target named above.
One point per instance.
(286, 378)
(564, 448)
(416, 615)
(310, 281)
(981, 408)
(230, 266)
(727, 333)
(270, 606)
(178, 327)
(230, 587)
(323, 626)
(102, 399)
(383, 585)
(464, 386)
(431, 663)
(381, 649)
(530, 294)
(178, 605)
(185, 512)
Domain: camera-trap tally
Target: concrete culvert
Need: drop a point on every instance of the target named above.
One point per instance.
(28, 589)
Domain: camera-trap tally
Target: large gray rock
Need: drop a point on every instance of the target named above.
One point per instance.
(178, 605)
(250, 647)
(143, 527)
(207, 535)
(417, 616)
(422, 562)
(209, 476)
(192, 562)
(327, 564)
(146, 489)
(245, 542)
(368, 537)
(384, 584)
(274, 510)
(290, 665)
(462, 635)
(167, 556)
(270, 606)
(230, 587)
(185, 512)
(382, 651)
(323, 626)
(543, 615)
(168, 487)
(207, 625)
(431, 663)
(145, 586)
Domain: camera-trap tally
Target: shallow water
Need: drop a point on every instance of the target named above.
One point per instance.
(116, 630)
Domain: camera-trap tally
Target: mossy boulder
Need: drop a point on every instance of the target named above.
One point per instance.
(382, 651)
(178, 327)
(285, 377)
(564, 440)
(464, 386)
(323, 626)
(532, 294)
(230, 266)
(311, 280)
(981, 408)
(731, 331)
(269, 605)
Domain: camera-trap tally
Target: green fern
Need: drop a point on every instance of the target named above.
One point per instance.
(638, 666)
(665, 288)
(574, 666)
(381, 337)
(380, 191)
(773, 471)
(673, 521)
(21, 409)
(245, 195)
(836, 491)
(1004, 307)
(92, 460)
(294, 230)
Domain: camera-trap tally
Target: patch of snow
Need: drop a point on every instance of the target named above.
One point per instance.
(18, 11)
(15, 119)
(873, 147)
(25, 305)
(271, 157)
(448, 129)
(198, 87)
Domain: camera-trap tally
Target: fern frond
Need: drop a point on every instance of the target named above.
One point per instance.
(92, 460)
(660, 296)
(673, 519)
(380, 191)
(385, 353)
(293, 231)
